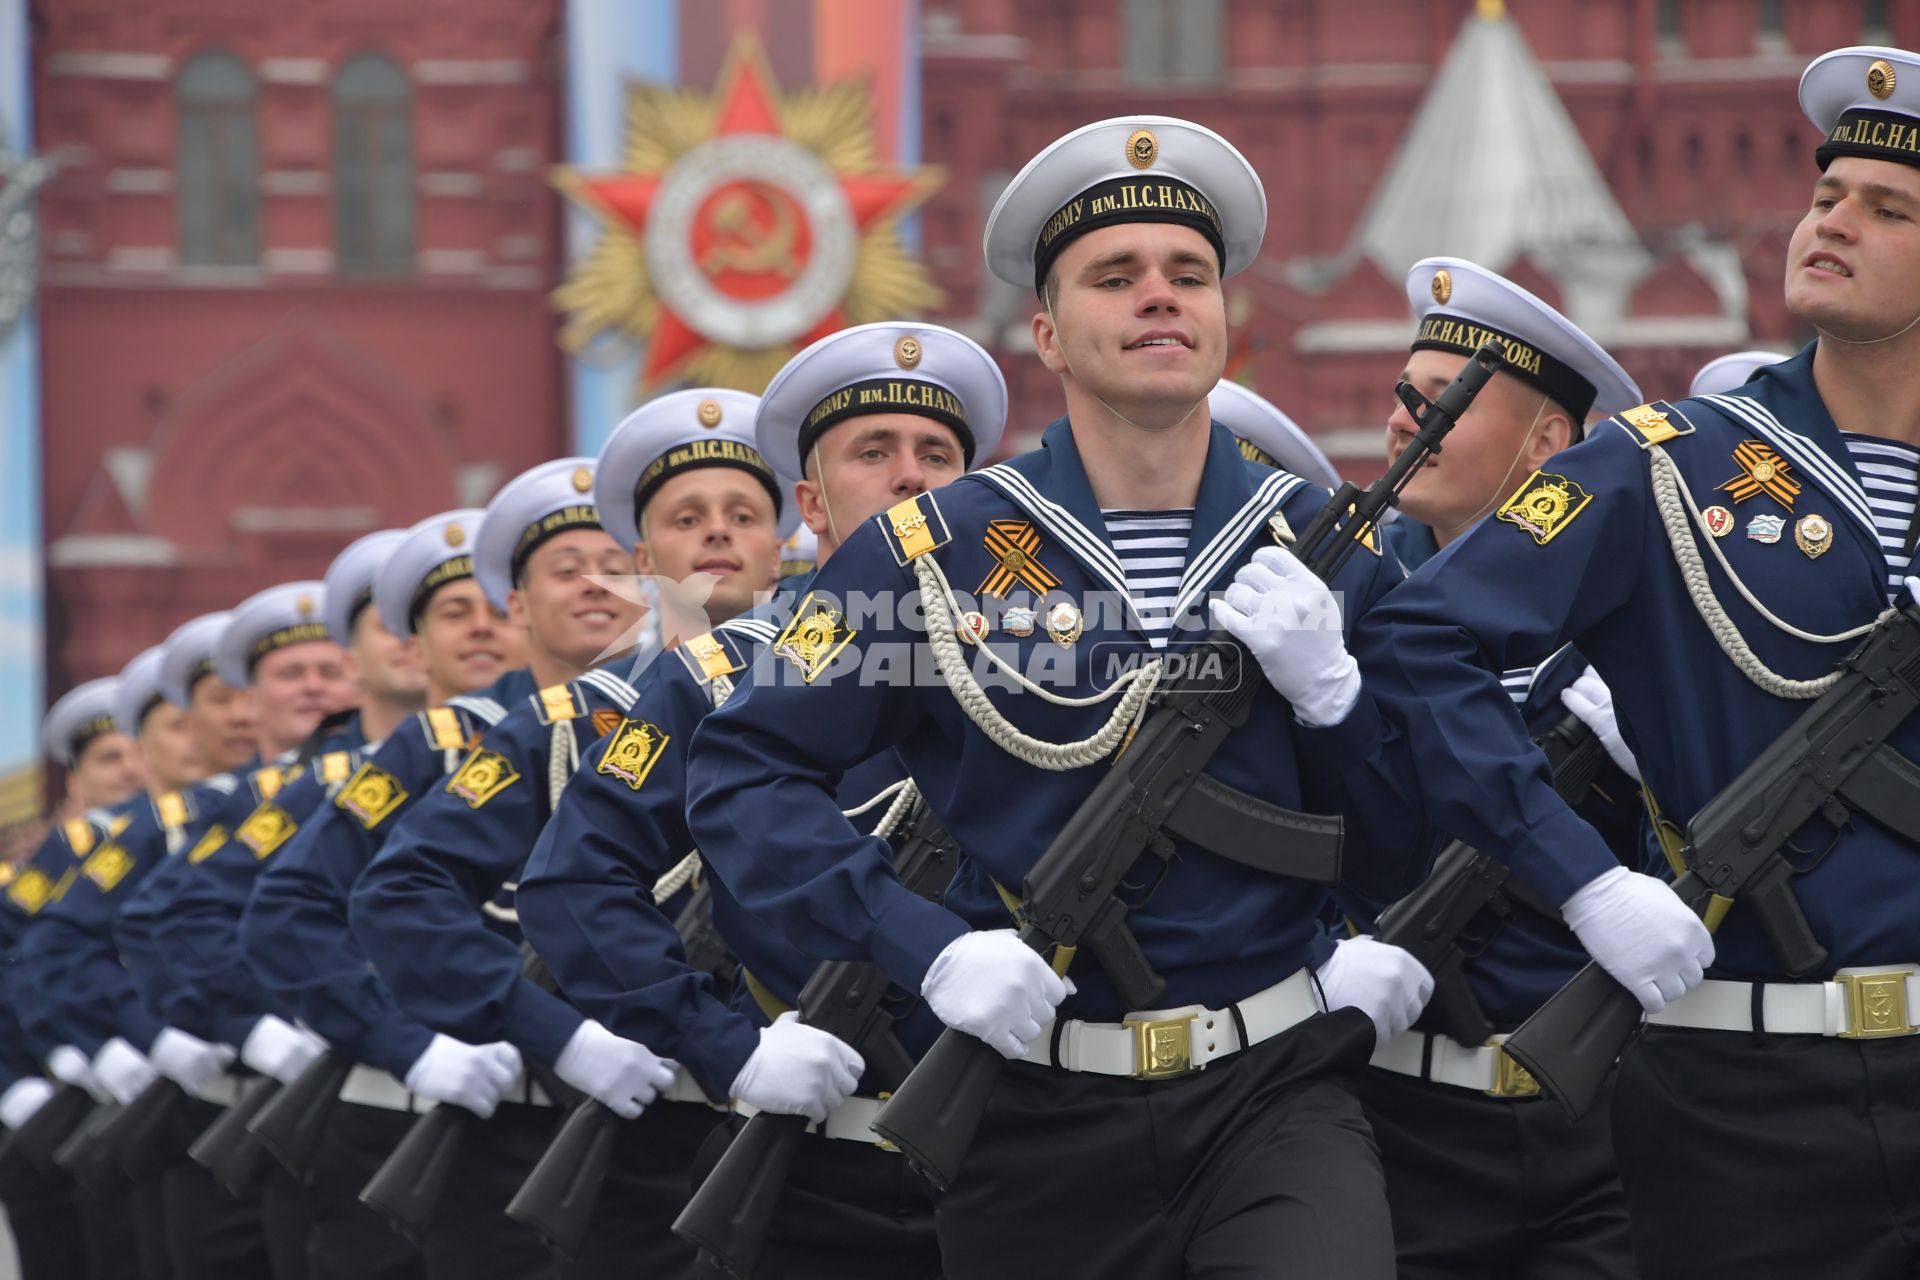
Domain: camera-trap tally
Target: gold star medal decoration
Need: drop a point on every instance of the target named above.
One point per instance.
(742, 226)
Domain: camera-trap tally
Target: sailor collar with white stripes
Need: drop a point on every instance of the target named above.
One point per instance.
(1232, 508)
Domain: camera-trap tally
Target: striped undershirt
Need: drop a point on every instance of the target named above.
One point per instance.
(1152, 546)
(1890, 473)
(1518, 683)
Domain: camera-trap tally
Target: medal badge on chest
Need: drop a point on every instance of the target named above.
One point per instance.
(1718, 520)
(1064, 623)
(1761, 471)
(1813, 535)
(1019, 620)
(1766, 529)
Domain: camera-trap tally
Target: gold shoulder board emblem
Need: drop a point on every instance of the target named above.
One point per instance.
(484, 775)
(266, 829)
(335, 766)
(1545, 505)
(632, 751)
(1654, 426)
(444, 729)
(914, 527)
(172, 808)
(814, 638)
(371, 795)
(79, 833)
(559, 702)
(711, 656)
(266, 781)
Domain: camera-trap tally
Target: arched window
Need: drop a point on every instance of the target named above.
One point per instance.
(219, 191)
(372, 166)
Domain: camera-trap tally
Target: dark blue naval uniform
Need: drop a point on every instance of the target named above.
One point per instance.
(43, 878)
(295, 930)
(1150, 1163)
(1217, 931)
(1703, 1120)
(586, 903)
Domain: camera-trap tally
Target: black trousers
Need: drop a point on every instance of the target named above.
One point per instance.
(850, 1211)
(147, 1207)
(471, 1234)
(44, 1217)
(647, 1184)
(210, 1235)
(1497, 1189)
(1757, 1157)
(1260, 1165)
(345, 1239)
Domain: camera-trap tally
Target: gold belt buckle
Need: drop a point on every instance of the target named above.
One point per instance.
(1876, 1005)
(1162, 1047)
(1510, 1079)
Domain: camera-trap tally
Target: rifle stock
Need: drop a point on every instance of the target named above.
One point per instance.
(139, 1136)
(406, 1189)
(292, 1123)
(86, 1158)
(52, 1125)
(227, 1149)
(557, 1199)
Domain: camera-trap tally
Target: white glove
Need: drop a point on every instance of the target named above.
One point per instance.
(1591, 700)
(995, 988)
(474, 1076)
(1290, 622)
(69, 1066)
(798, 1070)
(1639, 931)
(279, 1049)
(187, 1060)
(1383, 981)
(624, 1074)
(1913, 588)
(122, 1070)
(22, 1098)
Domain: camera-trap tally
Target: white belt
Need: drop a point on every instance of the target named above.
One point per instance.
(685, 1089)
(851, 1121)
(222, 1091)
(1486, 1067)
(1160, 1044)
(372, 1087)
(1859, 1004)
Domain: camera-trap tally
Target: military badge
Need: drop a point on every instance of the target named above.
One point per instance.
(212, 839)
(1064, 623)
(444, 729)
(1545, 505)
(1761, 471)
(1813, 535)
(31, 891)
(1718, 520)
(816, 635)
(1014, 545)
(266, 829)
(1766, 528)
(371, 795)
(108, 866)
(1019, 620)
(633, 751)
(484, 775)
(972, 627)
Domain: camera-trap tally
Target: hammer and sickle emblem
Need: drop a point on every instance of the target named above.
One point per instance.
(742, 246)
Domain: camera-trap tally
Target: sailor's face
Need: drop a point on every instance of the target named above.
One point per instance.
(1853, 263)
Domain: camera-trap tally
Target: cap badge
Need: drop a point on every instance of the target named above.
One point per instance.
(709, 413)
(1880, 79)
(304, 606)
(1442, 286)
(1142, 148)
(906, 353)
(582, 479)
(454, 535)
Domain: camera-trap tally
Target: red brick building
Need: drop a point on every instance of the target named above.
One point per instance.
(296, 275)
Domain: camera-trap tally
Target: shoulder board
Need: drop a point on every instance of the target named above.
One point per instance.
(7, 872)
(1655, 423)
(266, 781)
(559, 702)
(173, 809)
(79, 833)
(330, 767)
(484, 709)
(117, 823)
(914, 527)
(711, 656)
(445, 729)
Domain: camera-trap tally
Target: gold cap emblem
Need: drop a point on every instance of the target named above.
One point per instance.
(455, 535)
(709, 413)
(1880, 78)
(1142, 148)
(304, 606)
(906, 352)
(1442, 286)
(582, 479)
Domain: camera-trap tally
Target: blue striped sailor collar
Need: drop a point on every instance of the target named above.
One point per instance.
(1235, 501)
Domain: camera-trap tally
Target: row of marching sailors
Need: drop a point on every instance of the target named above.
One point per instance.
(561, 697)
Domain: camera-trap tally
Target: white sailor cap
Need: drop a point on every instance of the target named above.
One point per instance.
(1866, 102)
(1269, 436)
(684, 431)
(82, 714)
(891, 367)
(1461, 304)
(277, 618)
(800, 553)
(139, 689)
(1730, 371)
(187, 654)
(349, 581)
(1128, 169)
(434, 552)
(539, 503)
